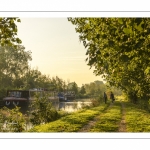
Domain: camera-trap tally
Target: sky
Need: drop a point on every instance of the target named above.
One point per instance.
(56, 49)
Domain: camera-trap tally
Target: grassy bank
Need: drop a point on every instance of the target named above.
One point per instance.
(137, 120)
(72, 122)
(109, 121)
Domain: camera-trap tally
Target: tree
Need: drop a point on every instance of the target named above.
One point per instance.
(73, 87)
(58, 84)
(118, 49)
(96, 88)
(9, 41)
(31, 78)
(8, 32)
(13, 64)
(42, 111)
(82, 90)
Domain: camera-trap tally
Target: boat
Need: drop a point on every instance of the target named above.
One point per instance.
(66, 96)
(22, 98)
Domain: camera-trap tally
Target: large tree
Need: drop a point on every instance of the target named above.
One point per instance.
(119, 50)
(13, 64)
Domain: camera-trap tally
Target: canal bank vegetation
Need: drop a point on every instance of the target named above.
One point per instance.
(12, 120)
(40, 112)
(72, 122)
(108, 116)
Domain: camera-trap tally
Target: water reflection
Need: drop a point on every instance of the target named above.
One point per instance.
(72, 106)
(65, 106)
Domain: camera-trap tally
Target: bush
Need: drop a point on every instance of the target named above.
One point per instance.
(11, 120)
(42, 111)
(95, 102)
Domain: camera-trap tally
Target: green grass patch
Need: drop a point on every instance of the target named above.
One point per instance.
(109, 121)
(137, 120)
(72, 122)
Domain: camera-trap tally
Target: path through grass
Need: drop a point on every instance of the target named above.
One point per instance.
(109, 121)
(72, 122)
(121, 116)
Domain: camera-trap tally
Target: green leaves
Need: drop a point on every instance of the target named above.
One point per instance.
(8, 31)
(120, 20)
(127, 30)
(18, 20)
(122, 43)
(147, 71)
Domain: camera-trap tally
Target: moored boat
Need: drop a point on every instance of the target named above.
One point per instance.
(22, 98)
(66, 96)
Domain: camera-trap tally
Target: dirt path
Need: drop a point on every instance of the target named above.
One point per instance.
(88, 126)
(122, 125)
(91, 123)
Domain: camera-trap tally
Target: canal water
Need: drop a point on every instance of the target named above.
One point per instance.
(69, 106)
(72, 106)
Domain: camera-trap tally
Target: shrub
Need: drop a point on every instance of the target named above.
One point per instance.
(96, 101)
(42, 111)
(12, 120)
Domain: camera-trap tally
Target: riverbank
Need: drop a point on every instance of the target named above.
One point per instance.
(120, 116)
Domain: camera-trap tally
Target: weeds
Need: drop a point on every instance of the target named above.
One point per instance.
(12, 120)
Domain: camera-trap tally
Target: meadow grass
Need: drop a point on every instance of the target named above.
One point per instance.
(72, 122)
(109, 121)
(137, 120)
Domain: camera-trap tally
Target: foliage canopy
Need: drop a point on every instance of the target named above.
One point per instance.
(8, 31)
(119, 50)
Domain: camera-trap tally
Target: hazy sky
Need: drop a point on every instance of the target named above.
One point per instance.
(56, 49)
